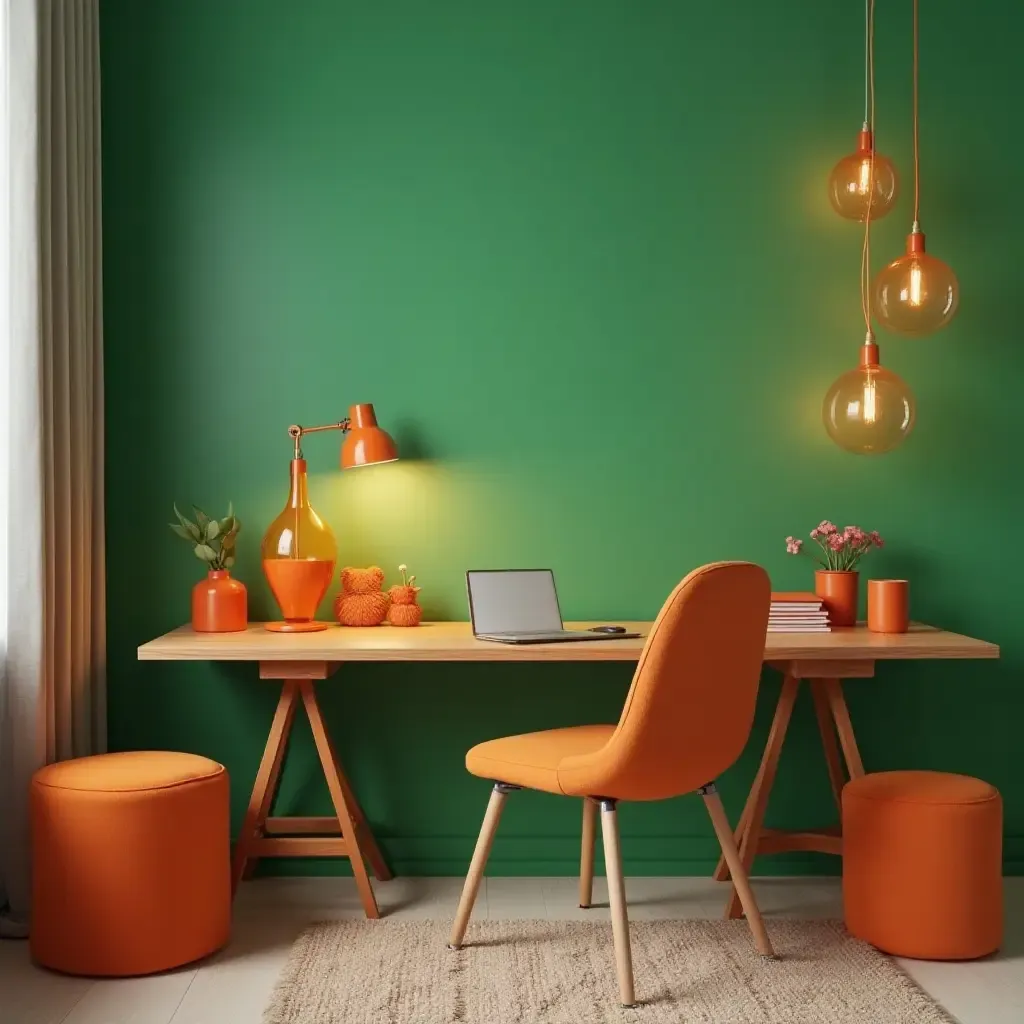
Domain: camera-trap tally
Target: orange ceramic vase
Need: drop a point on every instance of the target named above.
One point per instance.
(888, 606)
(838, 592)
(299, 555)
(219, 604)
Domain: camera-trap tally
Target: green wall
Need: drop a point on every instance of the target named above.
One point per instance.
(581, 257)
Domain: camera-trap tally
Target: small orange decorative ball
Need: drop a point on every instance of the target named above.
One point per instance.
(361, 601)
(404, 610)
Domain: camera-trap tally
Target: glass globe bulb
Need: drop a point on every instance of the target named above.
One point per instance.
(868, 410)
(850, 186)
(916, 294)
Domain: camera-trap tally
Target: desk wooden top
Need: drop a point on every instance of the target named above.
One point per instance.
(453, 641)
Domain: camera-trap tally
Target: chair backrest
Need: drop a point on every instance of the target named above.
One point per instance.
(691, 705)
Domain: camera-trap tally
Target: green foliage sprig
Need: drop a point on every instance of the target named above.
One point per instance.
(212, 540)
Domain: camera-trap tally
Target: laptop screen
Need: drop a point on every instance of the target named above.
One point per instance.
(513, 601)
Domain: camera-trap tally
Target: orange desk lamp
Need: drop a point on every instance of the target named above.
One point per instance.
(299, 551)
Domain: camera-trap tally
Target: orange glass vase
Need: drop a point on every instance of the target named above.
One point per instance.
(838, 591)
(299, 554)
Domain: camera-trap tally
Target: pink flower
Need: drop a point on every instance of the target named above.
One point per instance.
(826, 528)
(793, 546)
(875, 538)
(815, 533)
(837, 542)
(855, 535)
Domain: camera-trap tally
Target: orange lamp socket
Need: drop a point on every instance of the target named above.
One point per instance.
(366, 444)
(869, 355)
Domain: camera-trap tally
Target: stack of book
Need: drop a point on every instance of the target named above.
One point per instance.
(797, 612)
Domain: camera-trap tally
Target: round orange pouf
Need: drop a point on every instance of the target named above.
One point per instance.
(922, 864)
(130, 862)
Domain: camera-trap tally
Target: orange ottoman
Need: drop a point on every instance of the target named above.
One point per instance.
(130, 862)
(922, 864)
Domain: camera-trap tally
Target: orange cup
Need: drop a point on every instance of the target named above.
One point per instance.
(888, 606)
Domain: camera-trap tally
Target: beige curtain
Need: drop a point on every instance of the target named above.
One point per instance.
(52, 638)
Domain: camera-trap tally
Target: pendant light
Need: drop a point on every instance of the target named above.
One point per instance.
(916, 294)
(868, 410)
(864, 179)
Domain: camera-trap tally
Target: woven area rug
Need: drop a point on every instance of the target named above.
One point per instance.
(562, 972)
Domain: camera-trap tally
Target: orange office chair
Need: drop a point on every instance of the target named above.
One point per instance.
(686, 719)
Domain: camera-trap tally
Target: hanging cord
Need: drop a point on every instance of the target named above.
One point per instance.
(869, 92)
(917, 156)
(867, 63)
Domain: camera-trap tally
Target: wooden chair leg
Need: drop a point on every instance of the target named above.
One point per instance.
(481, 852)
(266, 783)
(826, 727)
(333, 774)
(844, 727)
(721, 872)
(765, 781)
(723, 830)
(617, 901)
(587, 852)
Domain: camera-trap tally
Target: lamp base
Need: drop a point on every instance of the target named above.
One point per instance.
(297, 627)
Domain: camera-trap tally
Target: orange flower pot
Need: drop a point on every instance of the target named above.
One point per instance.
(219, 604)
(888, 606)
(838, 592)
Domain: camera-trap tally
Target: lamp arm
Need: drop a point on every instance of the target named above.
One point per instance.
(295, 432)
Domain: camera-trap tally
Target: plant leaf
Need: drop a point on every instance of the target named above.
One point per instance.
(201, 517)
(205, 552)
(189, 525)
(227, 524)
(212, 529)
(229, 561)
(231, 511)
(180, 531)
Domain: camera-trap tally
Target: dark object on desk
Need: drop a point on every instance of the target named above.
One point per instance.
(607, 629)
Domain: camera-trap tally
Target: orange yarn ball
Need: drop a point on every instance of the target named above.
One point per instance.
(361, 601)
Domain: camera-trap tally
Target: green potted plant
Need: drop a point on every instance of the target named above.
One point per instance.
(219, 603)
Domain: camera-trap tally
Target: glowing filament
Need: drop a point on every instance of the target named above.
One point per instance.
(869, 401)
(865, 177)
(915, 285)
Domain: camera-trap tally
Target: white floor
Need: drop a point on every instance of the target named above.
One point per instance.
(233, 987)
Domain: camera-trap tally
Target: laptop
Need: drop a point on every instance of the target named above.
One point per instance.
(520, 606)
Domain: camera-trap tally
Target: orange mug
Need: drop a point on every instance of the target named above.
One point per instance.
(888, 606)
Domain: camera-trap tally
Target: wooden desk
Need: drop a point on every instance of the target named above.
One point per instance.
(296, 660)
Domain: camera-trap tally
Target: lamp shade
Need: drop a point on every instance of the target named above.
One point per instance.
(365, 443)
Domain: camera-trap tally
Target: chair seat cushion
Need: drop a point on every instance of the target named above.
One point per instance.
(129, 771)
(922, 787)
(532, 759)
